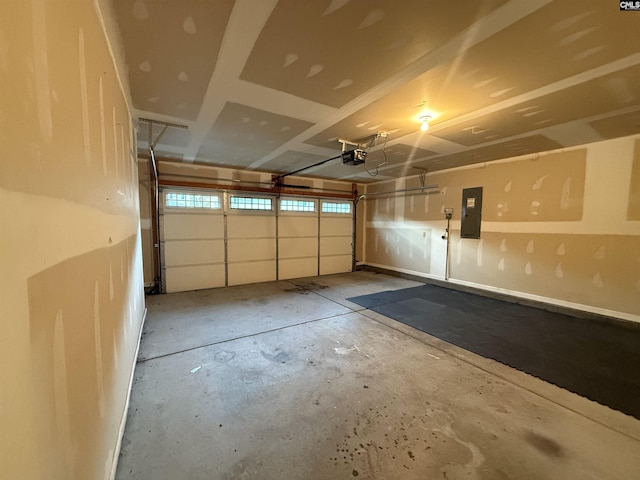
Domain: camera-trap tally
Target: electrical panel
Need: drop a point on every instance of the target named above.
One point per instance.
(471, 213)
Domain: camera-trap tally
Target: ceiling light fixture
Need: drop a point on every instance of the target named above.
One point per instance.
(425, 122)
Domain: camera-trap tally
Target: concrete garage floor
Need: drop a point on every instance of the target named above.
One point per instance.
(288, 380)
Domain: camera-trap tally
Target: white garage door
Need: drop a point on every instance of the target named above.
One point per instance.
(297, 238)
(251, 239)
(214, 238)
(192, 241)
(336, 224)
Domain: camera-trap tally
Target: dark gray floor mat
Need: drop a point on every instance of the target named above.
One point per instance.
(596, 359)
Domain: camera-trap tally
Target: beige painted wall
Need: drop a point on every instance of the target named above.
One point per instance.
(562, 227)
(71, 289)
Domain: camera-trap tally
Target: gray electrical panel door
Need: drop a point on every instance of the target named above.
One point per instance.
(471, 212)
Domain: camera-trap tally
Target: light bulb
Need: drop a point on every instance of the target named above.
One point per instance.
(425, 122)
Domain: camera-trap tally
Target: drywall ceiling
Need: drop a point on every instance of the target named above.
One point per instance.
(271, 85)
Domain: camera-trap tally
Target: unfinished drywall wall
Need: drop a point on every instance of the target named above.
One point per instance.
(71, 290)
(202, 173)
(559, 227)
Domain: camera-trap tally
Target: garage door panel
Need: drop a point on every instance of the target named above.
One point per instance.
(240, 250)
(298, 247)
(251, 226)
(335, 246)
(252, 272)
(297, 226)
(191, 226)
(195, 248)
(196, 277)
(297, 268)
(336, 225)
(191, 252)
(335, 264)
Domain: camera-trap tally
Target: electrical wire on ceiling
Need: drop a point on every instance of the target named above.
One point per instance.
(372, 143)
(364, 145)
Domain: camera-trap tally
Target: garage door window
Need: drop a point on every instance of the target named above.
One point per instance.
(251, 203)
(191, 200)
(336, 207)
(297, 206)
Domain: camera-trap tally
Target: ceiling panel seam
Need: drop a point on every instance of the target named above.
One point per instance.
(489, 25)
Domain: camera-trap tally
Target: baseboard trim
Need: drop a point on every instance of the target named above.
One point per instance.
(536, 301)
(123, 420)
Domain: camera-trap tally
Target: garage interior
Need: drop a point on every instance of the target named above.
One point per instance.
(216, 216)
